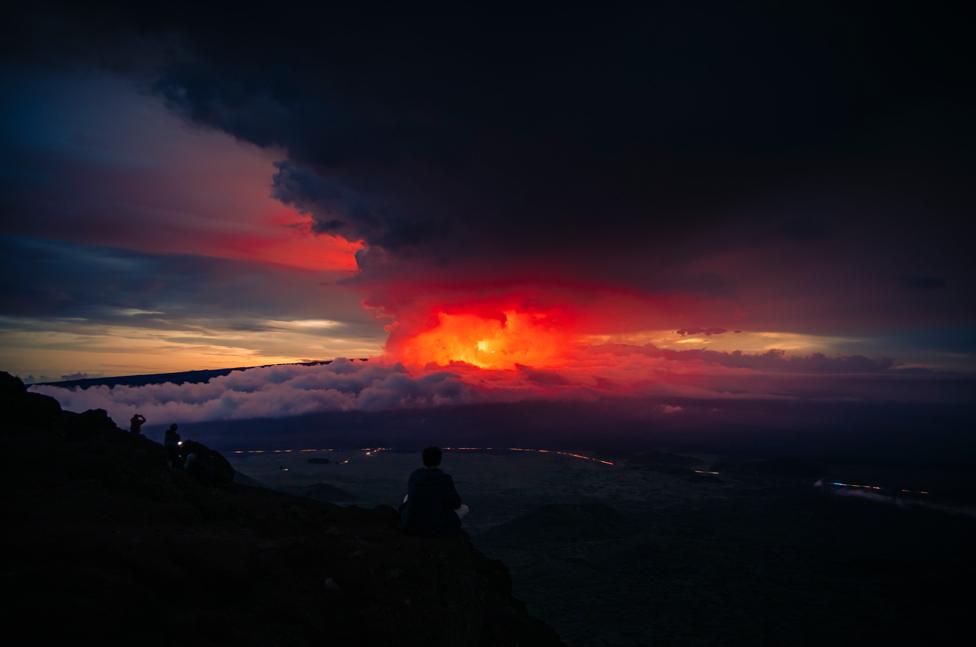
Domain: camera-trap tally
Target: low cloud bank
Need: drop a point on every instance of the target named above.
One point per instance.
(274, 391)
(596, 372)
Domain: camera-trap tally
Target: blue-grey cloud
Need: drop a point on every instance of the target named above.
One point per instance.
(43, 278)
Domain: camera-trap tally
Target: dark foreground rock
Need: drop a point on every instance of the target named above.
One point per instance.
(324, 492)
(106, 543)
(206, 465)
(562, 522)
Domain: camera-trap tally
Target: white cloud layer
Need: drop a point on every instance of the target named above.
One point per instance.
(273, 391)
(347, 385)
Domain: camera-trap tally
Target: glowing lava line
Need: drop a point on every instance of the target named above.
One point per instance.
(372, 451)
(581, 457)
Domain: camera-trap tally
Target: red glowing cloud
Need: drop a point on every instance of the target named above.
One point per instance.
(487, 338)
(283, 237)
(510, 323)
(167, 189)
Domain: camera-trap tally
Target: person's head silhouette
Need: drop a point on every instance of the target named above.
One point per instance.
(432, 457)
(136, 422)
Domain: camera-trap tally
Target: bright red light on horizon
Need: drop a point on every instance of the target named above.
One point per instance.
(511, 337)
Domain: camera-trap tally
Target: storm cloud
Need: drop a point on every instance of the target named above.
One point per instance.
(715, 158)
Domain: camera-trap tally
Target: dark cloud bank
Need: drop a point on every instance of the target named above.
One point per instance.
(780, 167)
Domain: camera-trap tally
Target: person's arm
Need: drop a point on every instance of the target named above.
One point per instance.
(410, 486)
(451, 498)
(406, 506)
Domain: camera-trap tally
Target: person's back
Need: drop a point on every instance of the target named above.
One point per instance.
(431, 501)
(136, 423)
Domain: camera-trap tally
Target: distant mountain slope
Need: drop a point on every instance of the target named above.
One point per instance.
(184, 377)
(114, 547)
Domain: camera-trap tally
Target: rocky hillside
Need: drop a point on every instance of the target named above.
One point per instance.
(106, 542)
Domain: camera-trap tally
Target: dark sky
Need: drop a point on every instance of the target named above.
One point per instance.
(794, 169)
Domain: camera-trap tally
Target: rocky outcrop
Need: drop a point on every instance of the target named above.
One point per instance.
(109, 544)
(206, 465)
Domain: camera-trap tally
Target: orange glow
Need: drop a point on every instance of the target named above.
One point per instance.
(286, 238)
(495, 342)
(322, 253)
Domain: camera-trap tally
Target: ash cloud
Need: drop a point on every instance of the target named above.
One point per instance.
(722, 165)
(337, 209)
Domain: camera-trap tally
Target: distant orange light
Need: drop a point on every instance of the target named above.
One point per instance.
(530, 338)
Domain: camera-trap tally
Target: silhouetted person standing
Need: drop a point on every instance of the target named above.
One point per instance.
(432, 506)
(136, 423)
(172, 442)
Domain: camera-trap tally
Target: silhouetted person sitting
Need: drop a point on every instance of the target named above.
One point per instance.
(136, 423)
(173, 442)
(432, 506)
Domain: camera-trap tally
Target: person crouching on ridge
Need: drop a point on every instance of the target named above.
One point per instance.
(432, 507)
